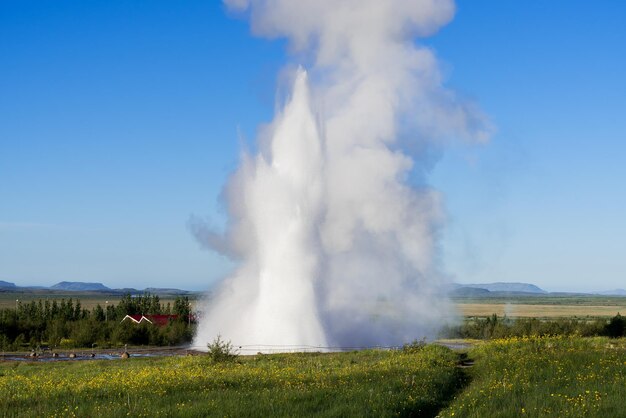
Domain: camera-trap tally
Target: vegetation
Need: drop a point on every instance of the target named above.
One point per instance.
(415, 346)
(545, 376)
(503, 327)
(616, 327)
(565, 376)
(367, 383)
(564, 299)
(566, 367)
(220, 350)
(67, 324)
(534, 376)
(548, 306)
(88, 300)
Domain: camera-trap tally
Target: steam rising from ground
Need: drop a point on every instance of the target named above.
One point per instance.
(335, 247)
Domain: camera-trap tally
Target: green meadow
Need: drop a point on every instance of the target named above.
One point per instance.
(529, 376)
(366, 383)
(545, 377)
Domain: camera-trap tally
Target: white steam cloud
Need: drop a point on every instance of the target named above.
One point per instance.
(335, 247)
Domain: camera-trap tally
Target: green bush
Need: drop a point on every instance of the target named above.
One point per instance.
(415, 346)
(221, 351)
(616, 327)
(503, 327)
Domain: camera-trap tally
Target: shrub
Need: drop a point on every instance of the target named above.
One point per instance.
(414, 347)
(221, 351)
(616, 327)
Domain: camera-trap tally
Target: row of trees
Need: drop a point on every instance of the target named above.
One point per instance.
(70, 310)
(503, 327)
(67, 324)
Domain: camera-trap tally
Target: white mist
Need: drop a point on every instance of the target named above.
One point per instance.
(335, 247)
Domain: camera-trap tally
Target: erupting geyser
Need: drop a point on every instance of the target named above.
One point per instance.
(335, 247)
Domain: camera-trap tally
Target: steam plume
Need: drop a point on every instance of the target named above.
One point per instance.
(335, 247)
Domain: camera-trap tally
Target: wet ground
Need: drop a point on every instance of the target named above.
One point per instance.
(108, 354)
(116, 354)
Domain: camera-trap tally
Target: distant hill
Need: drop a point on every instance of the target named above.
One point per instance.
(7, 285)
(154, 291)
(80, 286)
(91, 287)
(166, 291)
(504, 287)
(615, 292)
(469, 292)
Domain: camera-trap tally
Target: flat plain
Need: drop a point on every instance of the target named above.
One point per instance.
(539, 311)
(542, 306)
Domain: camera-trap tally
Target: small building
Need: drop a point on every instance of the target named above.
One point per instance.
(159, 320)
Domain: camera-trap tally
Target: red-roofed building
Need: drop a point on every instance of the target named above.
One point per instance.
(160, 320)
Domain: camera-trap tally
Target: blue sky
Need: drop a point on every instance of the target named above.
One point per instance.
(119, 120)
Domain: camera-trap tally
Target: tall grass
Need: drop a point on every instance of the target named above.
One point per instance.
(538, 376)
(550, 376)
(367, 383)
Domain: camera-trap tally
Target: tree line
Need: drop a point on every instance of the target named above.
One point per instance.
(66, 324)
(504, 327)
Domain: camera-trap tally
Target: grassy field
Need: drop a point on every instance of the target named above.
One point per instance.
(562, 377)
(517, 310)
(536, 377)
(367, 383)
(542, 306)
(546, 299)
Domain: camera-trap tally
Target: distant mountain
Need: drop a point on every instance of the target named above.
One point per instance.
(80, 286)
(62, 287)
(7, 285)
(615, 292)
(463, 291)
(166, 291)
(505, 287)
(130, 290)
(153, 291)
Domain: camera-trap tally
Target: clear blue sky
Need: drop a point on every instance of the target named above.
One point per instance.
(120, 119)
